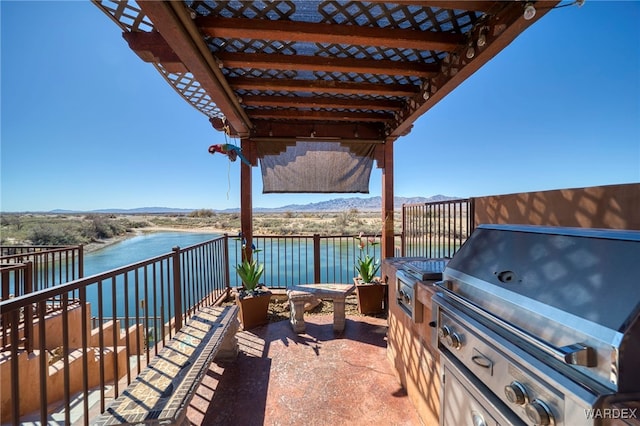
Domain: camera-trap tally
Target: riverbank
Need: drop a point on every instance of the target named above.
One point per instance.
(90, 229)
(101, 244)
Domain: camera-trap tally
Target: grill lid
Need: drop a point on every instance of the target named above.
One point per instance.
(424, 270)
(592, 274)
(570, 293)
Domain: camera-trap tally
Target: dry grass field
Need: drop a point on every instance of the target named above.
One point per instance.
(61, 229)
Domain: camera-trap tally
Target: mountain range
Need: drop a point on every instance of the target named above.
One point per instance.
(336, 204)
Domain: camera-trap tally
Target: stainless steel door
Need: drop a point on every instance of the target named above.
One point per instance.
(465, 403)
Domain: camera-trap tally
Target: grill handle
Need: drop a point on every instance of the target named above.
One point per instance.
(575, 354)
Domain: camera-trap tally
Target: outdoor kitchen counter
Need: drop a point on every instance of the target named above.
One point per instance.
(410, 344)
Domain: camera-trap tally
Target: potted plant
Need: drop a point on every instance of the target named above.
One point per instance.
(371, 291)
(252, 298)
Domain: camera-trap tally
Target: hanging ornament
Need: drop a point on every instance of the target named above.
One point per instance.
(230, 151)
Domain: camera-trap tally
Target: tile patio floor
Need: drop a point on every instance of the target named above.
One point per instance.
(316, 378)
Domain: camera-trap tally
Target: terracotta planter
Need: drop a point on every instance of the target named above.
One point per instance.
(254, 309)
(372, 297)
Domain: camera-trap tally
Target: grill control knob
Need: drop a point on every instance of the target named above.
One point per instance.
(516, 393)
(539, 413)
(454, 341)
(444, 332)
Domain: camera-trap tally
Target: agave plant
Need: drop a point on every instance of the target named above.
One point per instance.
(249, 270)
(366, 265)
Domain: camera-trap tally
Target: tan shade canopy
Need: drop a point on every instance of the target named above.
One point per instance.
(318, 167)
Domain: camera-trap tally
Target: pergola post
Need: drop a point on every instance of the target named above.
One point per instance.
(387, 243)
(246, 198)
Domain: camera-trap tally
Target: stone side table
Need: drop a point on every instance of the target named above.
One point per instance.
(300, 294)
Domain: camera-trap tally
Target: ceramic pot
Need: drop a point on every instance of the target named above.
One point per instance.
(254, 309)
(372, 297)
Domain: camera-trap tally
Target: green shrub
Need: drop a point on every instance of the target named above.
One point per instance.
(202, 213)
(55, 235)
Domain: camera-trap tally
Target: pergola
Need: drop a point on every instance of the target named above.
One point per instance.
(272, 73)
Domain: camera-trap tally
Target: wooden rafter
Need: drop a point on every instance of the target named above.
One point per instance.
(294, 129)
(275, 84)
(316, 102)
(327, 33)
(324, 63)
(152, 47)
(293, 114)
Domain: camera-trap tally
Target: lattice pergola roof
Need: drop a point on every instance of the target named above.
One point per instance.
(331, 69)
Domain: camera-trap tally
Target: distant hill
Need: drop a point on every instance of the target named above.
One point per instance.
(336, 204)
(363, 204)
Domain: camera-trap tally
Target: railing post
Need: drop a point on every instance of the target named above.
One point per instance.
(471, 215)
(403, 234)
(316, 258)
(177, 289)
(28, 309)
(227, 276)
(81, 261)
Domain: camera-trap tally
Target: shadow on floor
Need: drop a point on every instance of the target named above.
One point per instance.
(317, 378)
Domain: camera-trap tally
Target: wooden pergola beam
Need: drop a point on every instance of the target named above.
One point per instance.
(317, 102)
(290, 129)
(329, 64)
(321, 115)
(171, 21)
(388, 238)
(152, 47)
(276, 84)
(264, 29)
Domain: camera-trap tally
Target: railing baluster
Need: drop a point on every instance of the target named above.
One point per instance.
(177, 295)
(15, 368)
(65, 357)
(127, 325)
(28, 309)
(101, 344)
(43, 364)
(115, 334)
(154, 280)
(82, 293)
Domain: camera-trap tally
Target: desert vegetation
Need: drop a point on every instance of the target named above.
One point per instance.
(45, 229)
(62, 229)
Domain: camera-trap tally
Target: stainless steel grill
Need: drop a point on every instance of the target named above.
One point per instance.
(539, 325)
(418, 269)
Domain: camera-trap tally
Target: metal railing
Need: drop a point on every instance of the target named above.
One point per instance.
(137, 308)
(436, 229)
(111, 324)
(292, 260)
(52, 265)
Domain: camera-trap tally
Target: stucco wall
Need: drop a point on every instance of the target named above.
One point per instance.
(612, 206)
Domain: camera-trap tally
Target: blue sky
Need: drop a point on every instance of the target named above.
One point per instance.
(85, 124)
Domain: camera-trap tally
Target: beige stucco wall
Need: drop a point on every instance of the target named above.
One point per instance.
(611, 206)
(29, 364)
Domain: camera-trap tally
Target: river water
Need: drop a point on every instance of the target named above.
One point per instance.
(138, 248)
